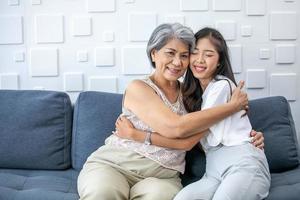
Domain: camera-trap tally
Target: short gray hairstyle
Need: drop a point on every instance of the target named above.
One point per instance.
(164, 32)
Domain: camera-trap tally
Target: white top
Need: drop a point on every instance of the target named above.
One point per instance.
(233, 130)
(169, 158)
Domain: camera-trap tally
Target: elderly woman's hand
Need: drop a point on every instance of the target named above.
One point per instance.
(124, 128)
(258, 139)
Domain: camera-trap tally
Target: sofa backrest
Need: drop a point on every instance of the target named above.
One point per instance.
(35, 129)
(272, 116)
(94, 119)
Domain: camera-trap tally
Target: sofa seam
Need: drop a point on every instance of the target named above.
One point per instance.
(65, 130)
(75, 129)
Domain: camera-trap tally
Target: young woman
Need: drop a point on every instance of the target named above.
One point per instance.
(125, 169)
(235, 169)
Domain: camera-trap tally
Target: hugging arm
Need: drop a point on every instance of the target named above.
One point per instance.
(141, 99)
(125, 129)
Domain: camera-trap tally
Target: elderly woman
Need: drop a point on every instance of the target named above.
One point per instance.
(125, 169)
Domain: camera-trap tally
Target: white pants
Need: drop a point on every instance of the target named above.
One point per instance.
(232, 173)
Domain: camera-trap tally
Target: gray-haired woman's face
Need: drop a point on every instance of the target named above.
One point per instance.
(171, 60)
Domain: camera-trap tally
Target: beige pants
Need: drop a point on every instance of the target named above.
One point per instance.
(116, 174)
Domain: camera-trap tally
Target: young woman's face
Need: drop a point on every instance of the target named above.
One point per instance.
(204, 61)
(171, 60)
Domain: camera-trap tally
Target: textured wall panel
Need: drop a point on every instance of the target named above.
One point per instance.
(49, 28)
(108, 36)
(285, 53)
(35, 2)
(193, 5)
(138, 65)
(19, 56)
(73, 82)
(81, 26)
(82, 56)
(284, 85)
(43, 62)
(9, 81)
(11, 29)
(227, 28)
(264, 53)
(174, 19)
(256, 78)
(104, 84)
(13, 2)
(256, 7)
(283, 25)
(101, 5)
(104, 56)
(228, 5)
(236, 57)
(137, 20)
(246, 31)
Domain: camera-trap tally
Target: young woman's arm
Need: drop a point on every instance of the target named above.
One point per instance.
(146, 104)
(125, 129)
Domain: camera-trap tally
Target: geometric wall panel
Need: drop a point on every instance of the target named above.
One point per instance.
(264, 53)
(19, 56)
(139, 65)
(35, 2)
(283, 25)
(246, 31)
(174, 18)
(137, 20)
(82, 56)
(101, 5)
(9, 81)
(49, 28)
(228, 5)
(104, 56)
(108, 36)
(285, 53)
(102, 83)
(256, 7)
(256, 78)
(44, 62)
(236, 58)
(284, 85)
(11, 30)
(227, 28)
(81, 26)
(13, 2)
(73, 82)
(193, 5)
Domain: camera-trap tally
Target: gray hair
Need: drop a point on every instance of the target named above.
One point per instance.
(164, 32)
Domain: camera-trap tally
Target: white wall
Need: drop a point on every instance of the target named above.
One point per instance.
(77, 45)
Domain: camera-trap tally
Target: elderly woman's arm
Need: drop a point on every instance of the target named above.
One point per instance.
(146, 104)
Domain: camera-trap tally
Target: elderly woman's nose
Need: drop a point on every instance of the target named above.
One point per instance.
(176, 61)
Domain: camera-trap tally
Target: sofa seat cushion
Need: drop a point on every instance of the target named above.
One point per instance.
(38, 184)
(35, 129)
(285, 185)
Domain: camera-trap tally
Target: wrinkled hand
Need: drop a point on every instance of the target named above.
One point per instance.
(240, 98)
(124, 128)
(258, 139)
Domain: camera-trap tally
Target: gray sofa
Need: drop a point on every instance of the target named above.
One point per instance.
(44, 141)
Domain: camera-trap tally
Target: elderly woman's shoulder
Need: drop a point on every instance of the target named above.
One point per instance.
(137, 85)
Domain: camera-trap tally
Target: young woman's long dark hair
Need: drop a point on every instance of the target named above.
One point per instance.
(192, 90)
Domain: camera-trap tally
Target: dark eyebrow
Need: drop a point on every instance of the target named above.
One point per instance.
(208, 50)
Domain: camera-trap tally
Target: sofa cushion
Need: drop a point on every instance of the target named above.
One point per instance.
(95, 114)
(38, 184)
(35, 129)
(272, 116)
(285, 185)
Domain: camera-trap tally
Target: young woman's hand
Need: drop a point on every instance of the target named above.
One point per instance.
(240, 98)
(124, 128)
(258, 139)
